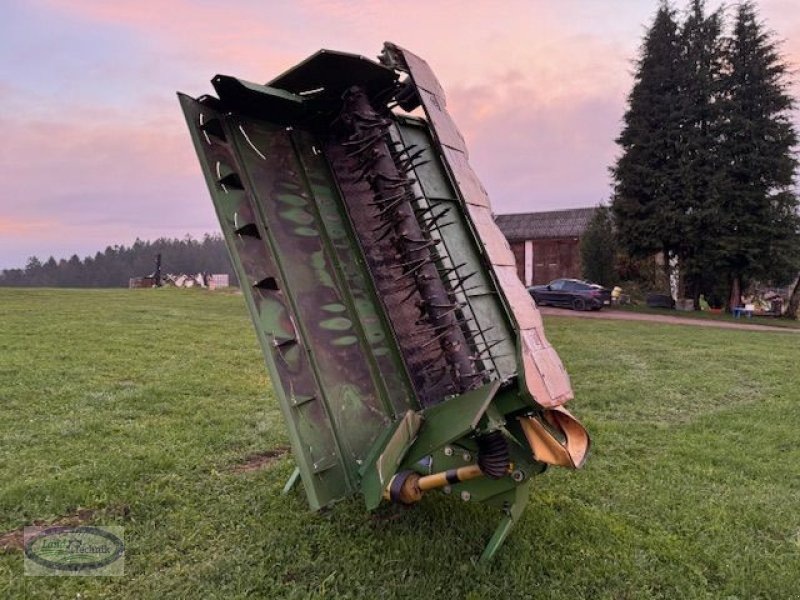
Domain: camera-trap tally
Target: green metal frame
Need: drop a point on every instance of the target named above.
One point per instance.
(334, 359)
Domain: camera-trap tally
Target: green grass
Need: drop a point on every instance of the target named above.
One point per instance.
(706, 315)
(138, 404)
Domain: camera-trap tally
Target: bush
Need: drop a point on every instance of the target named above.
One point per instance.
(598, 249)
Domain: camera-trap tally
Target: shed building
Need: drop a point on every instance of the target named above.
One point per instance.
(546, 245)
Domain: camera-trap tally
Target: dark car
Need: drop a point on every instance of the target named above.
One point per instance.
(574, 293)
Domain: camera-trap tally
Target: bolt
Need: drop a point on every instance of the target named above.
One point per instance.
(467, 457)
(517, 475)
(448, 451)
(465, 495)
(447, 489)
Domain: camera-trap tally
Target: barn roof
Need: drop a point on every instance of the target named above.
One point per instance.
(570, 222)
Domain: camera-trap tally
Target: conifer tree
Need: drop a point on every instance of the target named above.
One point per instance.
(706, 172)
(647, 176)
(761, 234)
(701, 116)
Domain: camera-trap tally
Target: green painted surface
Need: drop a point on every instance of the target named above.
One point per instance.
(339, 374)
(338, 382)
(450, 420)
(461, 248)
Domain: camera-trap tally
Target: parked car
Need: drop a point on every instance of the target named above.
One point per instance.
(573, 293)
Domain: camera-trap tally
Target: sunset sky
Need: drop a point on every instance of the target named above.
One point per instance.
(95, 150)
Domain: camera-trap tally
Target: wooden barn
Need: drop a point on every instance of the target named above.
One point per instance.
(546, 245)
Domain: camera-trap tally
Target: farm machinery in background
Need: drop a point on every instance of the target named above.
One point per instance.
(179, 280)
(404, 351)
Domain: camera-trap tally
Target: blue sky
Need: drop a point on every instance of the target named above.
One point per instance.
(96, 151)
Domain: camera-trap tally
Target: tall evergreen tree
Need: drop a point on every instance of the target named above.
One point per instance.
(761, 226)
(647, 176)
(701, 115)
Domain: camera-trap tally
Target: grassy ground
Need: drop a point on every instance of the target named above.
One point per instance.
(701, 314)
(139, 404)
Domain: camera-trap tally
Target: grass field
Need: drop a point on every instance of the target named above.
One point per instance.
(139, 405)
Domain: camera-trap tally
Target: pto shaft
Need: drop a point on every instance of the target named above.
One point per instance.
(406, 487)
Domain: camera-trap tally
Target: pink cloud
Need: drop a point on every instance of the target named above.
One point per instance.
(538, 89)
(531, 157)
(19, 227)
(101, 176)
(193, 33)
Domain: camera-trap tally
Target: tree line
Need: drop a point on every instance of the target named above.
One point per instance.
(117, 264)
(706, 170)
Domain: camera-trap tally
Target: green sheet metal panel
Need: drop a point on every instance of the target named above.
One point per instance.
(385, 298)
(330, 362)
(542, 377)
(462, 252)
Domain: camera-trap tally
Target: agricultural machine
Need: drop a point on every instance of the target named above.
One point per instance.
(404, 351)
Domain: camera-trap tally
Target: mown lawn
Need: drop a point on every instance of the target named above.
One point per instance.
(139, 405)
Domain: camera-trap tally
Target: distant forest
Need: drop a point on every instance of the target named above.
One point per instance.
(117, 264)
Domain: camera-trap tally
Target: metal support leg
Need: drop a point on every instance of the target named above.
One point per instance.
(292, 481)
(515, 502)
